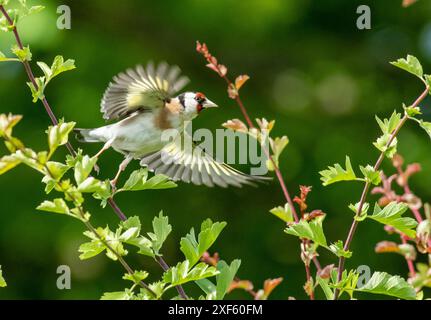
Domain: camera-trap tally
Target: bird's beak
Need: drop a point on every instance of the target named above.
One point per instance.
(210, 104)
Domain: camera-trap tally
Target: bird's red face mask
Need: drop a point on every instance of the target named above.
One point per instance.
(200, 99)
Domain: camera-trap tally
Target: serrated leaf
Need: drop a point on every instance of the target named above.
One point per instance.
(83, 168)
(37, 91)
(389, 125)
(193, 248)
(384, 283)
(371, 175)
(56, 206)
(181, 273)
(364, 210)
(138, 181)
(23, 54)
(382, 145)
(56, 169)
(426, 126)
(8, 163)
(283, 213)
(90, 249)
(338, 249)
(136, 277)
(118, 295)
(3, 58)
(392, 215)
(337, 173)
(225, 277)
(8, 122)
(411, 64)
(2, 280)
(312, 230)
(58, 135)
(323, 283)
(161, 230)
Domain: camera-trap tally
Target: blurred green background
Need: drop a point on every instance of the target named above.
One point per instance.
(311, 69)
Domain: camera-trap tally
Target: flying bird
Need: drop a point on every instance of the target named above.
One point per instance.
(145, 102)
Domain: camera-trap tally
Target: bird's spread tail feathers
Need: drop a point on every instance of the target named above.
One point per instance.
(83, 135)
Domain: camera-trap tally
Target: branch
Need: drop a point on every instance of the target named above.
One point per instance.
(364, 194)
(222, 72)
(69, 146)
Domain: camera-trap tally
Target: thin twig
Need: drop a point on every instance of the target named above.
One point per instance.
(279, 178)
(364, 194)
(54, 121)
(409, 261)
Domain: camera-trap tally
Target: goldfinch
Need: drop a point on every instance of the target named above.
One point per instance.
(144, 103)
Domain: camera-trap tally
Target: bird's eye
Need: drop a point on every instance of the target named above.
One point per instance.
(199, 99)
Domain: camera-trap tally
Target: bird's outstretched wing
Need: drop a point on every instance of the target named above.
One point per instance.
(194, 165)
(141, 88)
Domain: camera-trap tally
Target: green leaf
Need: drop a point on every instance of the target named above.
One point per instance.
(118, 295)
(8, 163)
(3, 58)
(56, 206)
(8, 122)
(90, 249)
(382, 145)
(383, 283)
(412, 111)
(37, 92)
(57, 169)
(96, 246)
(161, 230)
(323, 283)
(208, 287)
(426, 126)
(371, 175)
(283, 213)
(181, 273)
(337, 173)
(225, 277)
(58, 135)
(364, 210)
(57, 67)
(392, 215)
(193, 248)
(389, 125)
(143, 244)
(35, 9)
(312, 230)
(338, 249)
(277, 145)
(92, 185)
(2, 280)
(23, 54)
(138, 181)
(136, 277)
(411, 64)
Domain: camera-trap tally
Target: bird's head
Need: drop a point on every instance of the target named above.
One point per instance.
(194, 102)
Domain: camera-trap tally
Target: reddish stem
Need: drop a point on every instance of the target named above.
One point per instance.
(409, 261)
(379, 161)
(69, 146)
(280, 180)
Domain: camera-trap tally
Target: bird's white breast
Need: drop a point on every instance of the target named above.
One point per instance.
(140, 134)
